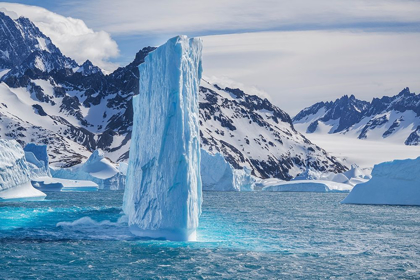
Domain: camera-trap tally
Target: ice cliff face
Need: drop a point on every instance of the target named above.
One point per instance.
(14, 173)
(162, 198)
(219, 175)
(37, 158)
(392, 183)
(13, 166)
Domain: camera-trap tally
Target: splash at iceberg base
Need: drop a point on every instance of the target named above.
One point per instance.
(392, 183)
(163, 193)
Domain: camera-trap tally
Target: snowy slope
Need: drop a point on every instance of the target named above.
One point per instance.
(363, 152)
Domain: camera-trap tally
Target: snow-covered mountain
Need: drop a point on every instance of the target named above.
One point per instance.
(47, 98)
(250, 131)
(73, 108)
(394, 119)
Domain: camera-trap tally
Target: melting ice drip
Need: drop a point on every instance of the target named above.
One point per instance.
(162, 198)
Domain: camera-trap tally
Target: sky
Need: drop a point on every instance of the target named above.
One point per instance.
(294, 53)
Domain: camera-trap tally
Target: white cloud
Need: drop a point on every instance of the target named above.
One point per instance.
(199, 17)
(227, 82)
(70, 35)
(298, 69)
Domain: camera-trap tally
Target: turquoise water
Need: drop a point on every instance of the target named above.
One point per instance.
(241, 236)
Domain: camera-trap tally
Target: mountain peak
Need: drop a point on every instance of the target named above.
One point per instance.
(141, 55)
(387, 116)
(88, 68)
(405, 92)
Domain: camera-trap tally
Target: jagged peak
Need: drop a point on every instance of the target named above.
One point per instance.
(405, 91)
(141, 55)
(88, 68)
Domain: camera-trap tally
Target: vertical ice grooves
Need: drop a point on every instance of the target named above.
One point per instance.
(163, 192)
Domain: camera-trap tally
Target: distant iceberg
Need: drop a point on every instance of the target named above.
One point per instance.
(218, 175)
(309, 186)
(38, 162)
(97, 169)
(37, 157)
(163, 195)
(393, 183)
(15, 182)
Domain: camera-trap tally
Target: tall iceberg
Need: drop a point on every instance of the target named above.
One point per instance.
(163, 193)
(393, 183)
(15, 182)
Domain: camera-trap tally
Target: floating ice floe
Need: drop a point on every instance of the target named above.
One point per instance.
(163, 195)
(393, 183)
(309, 186)
(15, 182)
(219, 175)
(97, 169)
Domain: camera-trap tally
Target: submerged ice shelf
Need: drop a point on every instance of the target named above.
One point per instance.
(162, 198)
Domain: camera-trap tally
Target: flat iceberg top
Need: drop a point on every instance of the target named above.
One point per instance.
(309, 186)
(22, 192)
(393, 183)
(163, 191)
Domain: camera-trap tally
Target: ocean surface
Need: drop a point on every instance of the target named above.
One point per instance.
(255, 235)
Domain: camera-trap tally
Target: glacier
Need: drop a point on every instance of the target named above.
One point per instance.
(393, 183)
(219, 175)
(97, 169)
(15, 182)
(163, 192)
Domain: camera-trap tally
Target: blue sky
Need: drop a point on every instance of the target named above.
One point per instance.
(305, 49)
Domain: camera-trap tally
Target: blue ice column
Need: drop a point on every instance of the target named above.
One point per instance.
(163, 195)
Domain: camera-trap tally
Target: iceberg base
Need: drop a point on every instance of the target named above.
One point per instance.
(172, 235)
(23, 192)
(385, 191)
